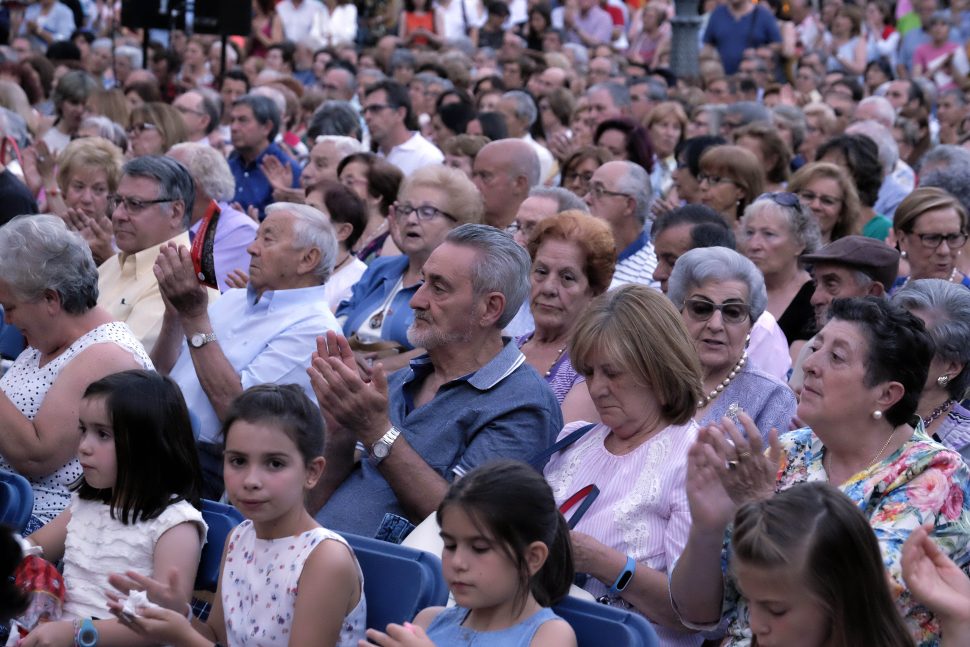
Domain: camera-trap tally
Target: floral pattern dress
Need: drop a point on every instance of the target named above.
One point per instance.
(922, 481)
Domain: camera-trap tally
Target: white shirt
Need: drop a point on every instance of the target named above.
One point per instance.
(341, 284)
(265, 341)
(768, 348)
(547, 165)
(415, 153)
(337, 28)
(456, 21)
(297, 21)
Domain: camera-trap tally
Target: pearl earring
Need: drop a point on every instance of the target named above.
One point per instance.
(943, 380)
(903, 254)
(877, 415)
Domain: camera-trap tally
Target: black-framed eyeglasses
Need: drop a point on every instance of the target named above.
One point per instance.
(732, 312)
(424, 211)
(140, 128)
(782, 198)
(134, 205)
(932, 241)
(598, 191)
(374, 107)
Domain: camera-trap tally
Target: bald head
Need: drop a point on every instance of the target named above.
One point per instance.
(504, 171)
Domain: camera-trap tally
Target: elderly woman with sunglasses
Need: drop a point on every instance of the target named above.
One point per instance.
(720, 294)
(775, 231)
(432, 201)
(930, 227)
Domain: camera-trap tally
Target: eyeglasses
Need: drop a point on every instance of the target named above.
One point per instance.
(374, 107)
(185, 111)
(713, 179)
(782, 198)
(140, 128)
(702, 310)
(598, 191)
(573, 176)
(134, 205)
(932, 241)
(826, 200)
(424, 211)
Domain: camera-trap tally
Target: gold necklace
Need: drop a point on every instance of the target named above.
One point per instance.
(879, 453)
(706, 400)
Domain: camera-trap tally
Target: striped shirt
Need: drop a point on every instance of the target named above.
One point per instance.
(636, 264)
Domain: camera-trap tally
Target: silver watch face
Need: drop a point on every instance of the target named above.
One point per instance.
(197, 340)
(381, 449)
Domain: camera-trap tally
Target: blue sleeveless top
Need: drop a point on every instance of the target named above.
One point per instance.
(446, 630)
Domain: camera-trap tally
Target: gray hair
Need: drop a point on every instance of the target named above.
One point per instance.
(885, 113)
(947, 309)
(401, 58)
(211, 106)
(565, 200)
(580, 56)
(636, 184)
(749, 111)
(656, 89)
(174, 180)
(951, 168)
(264, 110)
(345, 145)
(502, 266)
(794, 119)
(209, 168)
(15, 126)
(525, 107)
(882, 137)
(39, 253)
(703, 264)
(802, 224)
(107, 129)
(74, 86)
(620, 94)
(311, 229)
(133, 54)
(102, 43)
(334, 118)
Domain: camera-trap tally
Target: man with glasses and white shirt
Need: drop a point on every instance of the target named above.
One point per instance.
(619, 193)
(152, 207)
(392, 125)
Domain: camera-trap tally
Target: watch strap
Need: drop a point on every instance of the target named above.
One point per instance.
(625, 577)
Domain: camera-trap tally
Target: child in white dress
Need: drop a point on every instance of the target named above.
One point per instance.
(135, 508)
(284, 579)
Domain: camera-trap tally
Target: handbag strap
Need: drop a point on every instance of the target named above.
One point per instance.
(537, 460)
(586, 495)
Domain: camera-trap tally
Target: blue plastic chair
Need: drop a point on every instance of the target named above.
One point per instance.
(398, 582)
(221, 519)
(598, 624)
(16, 500)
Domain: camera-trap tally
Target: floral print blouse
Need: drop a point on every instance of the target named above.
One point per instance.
(922, 481)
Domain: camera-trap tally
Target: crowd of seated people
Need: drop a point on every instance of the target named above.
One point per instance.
(479, 268)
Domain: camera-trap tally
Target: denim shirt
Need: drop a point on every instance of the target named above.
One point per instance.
(503, 410)
(371, 291)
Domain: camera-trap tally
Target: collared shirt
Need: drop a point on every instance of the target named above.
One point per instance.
(503, 410)
(297, 21)
(129, 290)
(414, 153)
(235, 232)
(636, 264)
(372, 290)
(252, 187)
(266, 340)
(59, 22)
(596, 24)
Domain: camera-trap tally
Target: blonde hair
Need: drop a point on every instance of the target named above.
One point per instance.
(462, 200)
(639, 330)
(738, 164)
(847, 222)
(164, 117)
(89, 152)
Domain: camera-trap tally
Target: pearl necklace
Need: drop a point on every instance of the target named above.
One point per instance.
(953, 276)
(710, 397)
(936, 413)
(554, 362)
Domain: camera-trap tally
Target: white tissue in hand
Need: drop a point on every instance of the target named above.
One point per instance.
(136, 603)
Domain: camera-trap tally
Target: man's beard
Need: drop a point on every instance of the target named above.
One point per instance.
(430, 336)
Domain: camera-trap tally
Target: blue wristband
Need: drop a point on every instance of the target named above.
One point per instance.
(87, 634)
(625, 576)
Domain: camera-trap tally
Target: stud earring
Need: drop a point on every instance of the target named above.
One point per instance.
(903, 254)
(877, 415)
(943, 380)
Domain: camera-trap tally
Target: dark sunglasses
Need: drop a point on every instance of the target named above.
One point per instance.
(702, 310)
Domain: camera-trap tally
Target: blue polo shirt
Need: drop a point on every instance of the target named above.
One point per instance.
(503, 410)
(731, 37)
(252, 187)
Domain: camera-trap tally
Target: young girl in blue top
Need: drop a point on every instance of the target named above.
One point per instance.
(136, 506)
(506, 559)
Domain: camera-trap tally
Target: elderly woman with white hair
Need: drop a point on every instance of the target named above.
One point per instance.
(775, 230)
(214, 189)
(720, 295)
(49, 290)
(944, 308)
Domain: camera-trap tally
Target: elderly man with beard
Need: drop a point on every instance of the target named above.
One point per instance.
(394, 444)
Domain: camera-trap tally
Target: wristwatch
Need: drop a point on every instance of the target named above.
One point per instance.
(382, 447)
(198, 340)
